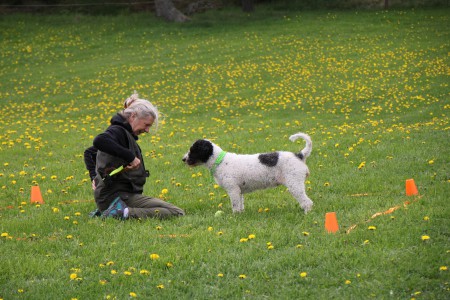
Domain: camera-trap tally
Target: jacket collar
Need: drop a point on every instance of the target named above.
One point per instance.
(120, 120)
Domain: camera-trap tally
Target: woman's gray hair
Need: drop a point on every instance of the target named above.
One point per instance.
(143, 108)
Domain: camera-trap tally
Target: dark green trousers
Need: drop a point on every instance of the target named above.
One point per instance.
(141, 206)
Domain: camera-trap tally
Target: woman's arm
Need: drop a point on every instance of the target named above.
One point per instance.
(114, 141)
(90, 157)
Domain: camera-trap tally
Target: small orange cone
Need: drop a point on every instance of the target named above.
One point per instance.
(331, 224)
(411, 188)
(36, 196)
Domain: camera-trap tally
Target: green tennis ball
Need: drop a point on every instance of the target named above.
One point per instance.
(218, 213)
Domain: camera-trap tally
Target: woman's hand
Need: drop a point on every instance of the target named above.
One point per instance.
(134, 164)
(93, 184)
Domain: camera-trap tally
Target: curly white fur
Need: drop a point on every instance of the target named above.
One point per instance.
(239, 174)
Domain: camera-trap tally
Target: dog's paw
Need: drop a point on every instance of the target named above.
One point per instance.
(307, 208)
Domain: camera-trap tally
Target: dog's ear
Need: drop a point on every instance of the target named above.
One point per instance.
(201, 151)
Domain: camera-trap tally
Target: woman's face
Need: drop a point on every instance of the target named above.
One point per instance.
(140, 125)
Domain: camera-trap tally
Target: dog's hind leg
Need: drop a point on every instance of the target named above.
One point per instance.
(237, 199)
(297, 189)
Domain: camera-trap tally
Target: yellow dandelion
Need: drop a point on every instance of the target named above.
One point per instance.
(164, 191)
(161, 286)
(443, 268)
(127, 273)
(372, 227)
(73, 276)
(251, 236)
(133, 295)
(220, 275)
(243, 240)
(303, 274)
(169, 264)
(305, 233)
(144, 272)
(113, 272)
(154, 256)
(361, 165)
(348, 282)
(210, 228)
(425, 237)
(242, 276)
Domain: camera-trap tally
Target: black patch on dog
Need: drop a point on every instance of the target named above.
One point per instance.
(269, 159)
(300, 155)
(200, 152)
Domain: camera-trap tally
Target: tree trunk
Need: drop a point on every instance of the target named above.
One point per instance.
(166, 9)
(247, 6)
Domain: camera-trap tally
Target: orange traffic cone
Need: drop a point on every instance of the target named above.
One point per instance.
(411, 188)
(331, 224)
(36, 196)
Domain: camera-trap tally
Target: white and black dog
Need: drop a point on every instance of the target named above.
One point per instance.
(240, 174)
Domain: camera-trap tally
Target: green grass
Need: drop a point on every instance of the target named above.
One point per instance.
(368, 87)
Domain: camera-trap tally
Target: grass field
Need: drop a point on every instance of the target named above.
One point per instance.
(371, 89)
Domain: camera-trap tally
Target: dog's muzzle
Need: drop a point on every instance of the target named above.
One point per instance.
(187, 161)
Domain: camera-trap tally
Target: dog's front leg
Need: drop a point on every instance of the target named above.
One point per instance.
(237, 199)
(298, 191)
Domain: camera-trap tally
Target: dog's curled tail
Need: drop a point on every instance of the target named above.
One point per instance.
(308, 148)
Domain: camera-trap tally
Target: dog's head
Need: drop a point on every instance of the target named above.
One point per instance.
(199, 153)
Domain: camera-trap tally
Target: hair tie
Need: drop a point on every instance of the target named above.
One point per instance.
(130, 100)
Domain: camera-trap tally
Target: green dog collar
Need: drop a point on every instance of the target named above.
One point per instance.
(218, 161)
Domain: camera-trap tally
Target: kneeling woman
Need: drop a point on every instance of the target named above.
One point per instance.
(116, 166)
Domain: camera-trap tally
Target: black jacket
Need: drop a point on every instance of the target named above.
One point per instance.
(113, 141)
